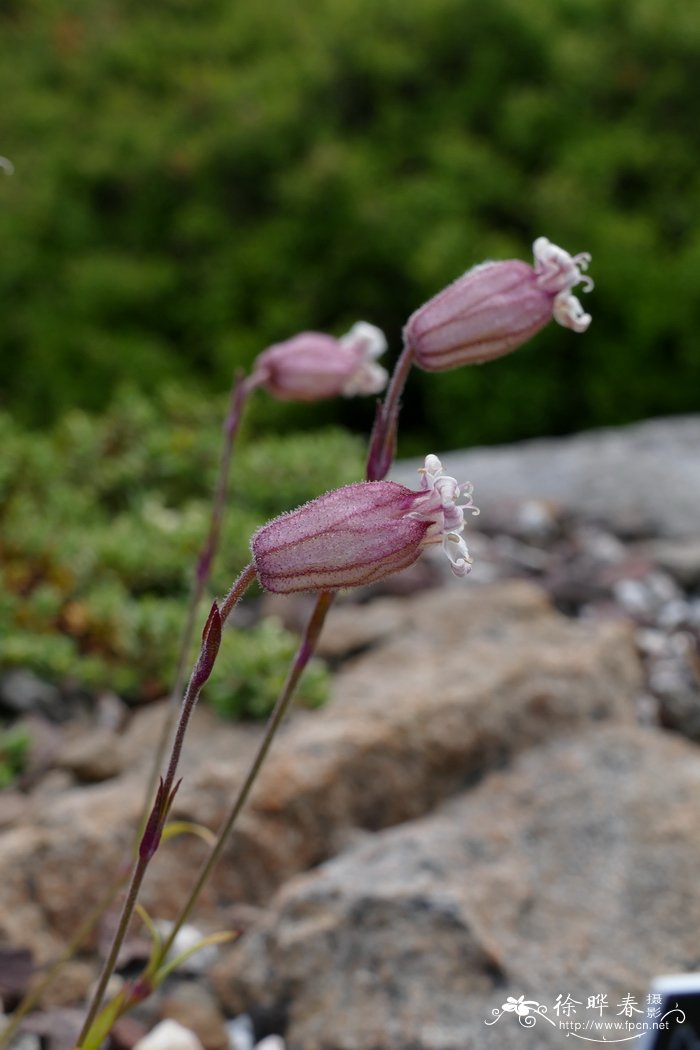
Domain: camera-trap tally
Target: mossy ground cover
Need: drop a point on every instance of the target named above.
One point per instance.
(101, 521)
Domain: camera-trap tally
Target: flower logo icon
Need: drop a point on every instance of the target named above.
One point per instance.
(518, 1006)
(527, 1011)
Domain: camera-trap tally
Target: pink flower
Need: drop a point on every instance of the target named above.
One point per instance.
(497, 306)
(363, 532)
(312, 366)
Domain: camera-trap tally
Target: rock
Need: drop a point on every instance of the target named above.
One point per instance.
(573, 872)
(44, 742)
(126, 1033)
(111, 712)
(193, 1006)
(14, 807)
(92, 755)
(23, 693)
(680, 558)
(475, 675)
(188, 937)
(16, 971)
(639, 480)
(680, 710)
(26, 1041)
(350, 628)
(58, 1029)
(240, 1033)
(169, 1035)
(75, 983)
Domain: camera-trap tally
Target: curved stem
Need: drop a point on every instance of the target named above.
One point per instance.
(304, 653)
(382, 444)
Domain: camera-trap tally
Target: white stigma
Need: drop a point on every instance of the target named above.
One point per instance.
(437, 504)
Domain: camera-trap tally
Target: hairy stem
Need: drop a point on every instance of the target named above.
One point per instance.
(382, 444)
(111, 961)
(192, 692)
(381, 451)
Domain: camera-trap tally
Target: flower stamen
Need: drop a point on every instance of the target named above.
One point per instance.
(437, 504)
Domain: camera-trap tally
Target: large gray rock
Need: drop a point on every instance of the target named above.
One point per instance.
(640, 479)
(572, 873)
(468, 677)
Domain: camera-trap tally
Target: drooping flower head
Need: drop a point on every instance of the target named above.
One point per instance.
(312, 366)
(497, 306)
(363, 532)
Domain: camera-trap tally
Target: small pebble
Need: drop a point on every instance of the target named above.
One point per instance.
(240, 1033)
(186, 938)
(169, 1035)
(271, 1042)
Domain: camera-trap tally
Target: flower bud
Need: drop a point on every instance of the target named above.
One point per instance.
(497, 306)
(312, 366)
(363, 532)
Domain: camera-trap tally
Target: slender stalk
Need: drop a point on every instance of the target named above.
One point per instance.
(166, 791)
(237, 591)
(239, 392)
(382, 444)
(108, 968)
(381, 452)
(304, 653)
(380, 457)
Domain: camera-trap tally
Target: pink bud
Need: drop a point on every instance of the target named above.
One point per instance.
(312, 366)
(363, 532)
(496, 307)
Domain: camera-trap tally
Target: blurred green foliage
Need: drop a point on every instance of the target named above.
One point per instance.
(198, 178)
(250, 675)
(101, 521)
(14, 748)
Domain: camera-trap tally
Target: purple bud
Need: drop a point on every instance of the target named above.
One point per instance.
(211, 640)
(496, 307)
(361, 533)
(312, 366)
(150, 840)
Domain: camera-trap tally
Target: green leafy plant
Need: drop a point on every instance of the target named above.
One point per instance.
(102, 518)
(251, 172)
(14, 745)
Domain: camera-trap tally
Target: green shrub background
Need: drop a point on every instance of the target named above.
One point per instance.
(101, 521)
(198, 178)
